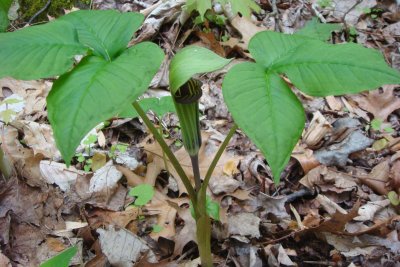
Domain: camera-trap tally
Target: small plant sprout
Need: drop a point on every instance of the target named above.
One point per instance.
(143, 193)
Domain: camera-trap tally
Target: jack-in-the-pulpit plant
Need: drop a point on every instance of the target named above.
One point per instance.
(110, 77)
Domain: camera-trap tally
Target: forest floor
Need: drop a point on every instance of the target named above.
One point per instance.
(334, 206)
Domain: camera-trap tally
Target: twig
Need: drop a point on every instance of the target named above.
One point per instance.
(39, 12)
(348, 11)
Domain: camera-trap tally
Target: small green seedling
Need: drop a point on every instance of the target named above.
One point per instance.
(143, 193)
(324, 3)
(379, 126)
(394, 198)
(157, 228)
(119, 147)
(61, 260)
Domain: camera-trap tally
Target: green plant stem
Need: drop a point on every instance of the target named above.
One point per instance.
(168, 152)
(203, 234)
(210, 170)
(196, 172)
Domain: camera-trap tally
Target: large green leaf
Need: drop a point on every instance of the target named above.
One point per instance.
(4, 7)
(320, 31)
(160, 106)
(107, 32)
(62, 259)
(192, 60)
(96, 90)
(322, 69)
(266, 109)
(39, 51)
(263, 105)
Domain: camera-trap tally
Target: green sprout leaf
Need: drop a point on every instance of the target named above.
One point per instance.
(143, 193)
(62, 259)
(192, 60)
(212, 208)
(160, 106)
(394, 198)
(376, 124)
(320, 31)
(74, 101)
(157, 228)
(263, 105)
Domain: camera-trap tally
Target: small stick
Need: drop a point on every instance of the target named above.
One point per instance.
(39, 12)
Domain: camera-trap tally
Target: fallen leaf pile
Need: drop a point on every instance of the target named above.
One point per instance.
(336, 203)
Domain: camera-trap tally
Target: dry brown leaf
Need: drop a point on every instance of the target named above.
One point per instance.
(123, 248)
(102, 218)
(378, 178)
(381, 105)
(40, 138)
(187, 233)
(207, 152)
(33, 92)
(328, 180)
(305, 157)
(58, 173)
(213, 44)
(247, 29)
(338, 221)
(395, 176)
(4, 261)
(317, 130)
(334, 103)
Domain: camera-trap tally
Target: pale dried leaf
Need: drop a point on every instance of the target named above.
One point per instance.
(105, 179)
(244, 224)
(40, 138)
(59, 174)
(123, 248)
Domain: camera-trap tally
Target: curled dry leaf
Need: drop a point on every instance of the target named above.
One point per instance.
(378, 178)
(317, 130)
(59, 174)
(367, 212)
(325, 178)
(305, 157)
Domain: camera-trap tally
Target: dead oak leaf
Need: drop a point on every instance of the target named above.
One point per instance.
(380, 104)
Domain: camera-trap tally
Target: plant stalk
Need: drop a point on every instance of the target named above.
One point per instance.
(168, 152)
(203, 234)
(196, 172)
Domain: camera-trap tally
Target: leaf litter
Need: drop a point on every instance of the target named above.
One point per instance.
(330, 207)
